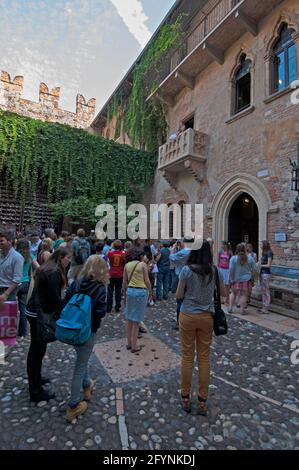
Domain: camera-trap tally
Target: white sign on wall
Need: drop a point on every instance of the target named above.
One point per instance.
(280, 237)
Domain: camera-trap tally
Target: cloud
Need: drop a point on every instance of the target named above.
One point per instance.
(82, 46)
(131, 11)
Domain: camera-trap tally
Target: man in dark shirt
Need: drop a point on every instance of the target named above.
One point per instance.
(163, 263)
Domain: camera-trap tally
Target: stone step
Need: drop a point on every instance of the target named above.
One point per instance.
(286, 312)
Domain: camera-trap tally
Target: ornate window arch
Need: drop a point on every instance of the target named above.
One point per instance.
(242, 83)
(283, 58)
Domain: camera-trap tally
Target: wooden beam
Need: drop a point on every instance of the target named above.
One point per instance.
(214, 53)
(166, 99)
(249, 24)
(185, 80)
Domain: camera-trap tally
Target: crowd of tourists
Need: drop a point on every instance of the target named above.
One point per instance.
(45, 274)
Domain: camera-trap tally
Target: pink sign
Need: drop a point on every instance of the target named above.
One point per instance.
(9, 316)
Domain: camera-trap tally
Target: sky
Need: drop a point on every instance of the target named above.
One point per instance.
(83, 46)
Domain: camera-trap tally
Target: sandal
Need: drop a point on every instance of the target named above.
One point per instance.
(186, 404)
(136, 350)
(263, 312)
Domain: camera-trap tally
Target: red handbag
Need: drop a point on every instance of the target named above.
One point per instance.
(9, 319)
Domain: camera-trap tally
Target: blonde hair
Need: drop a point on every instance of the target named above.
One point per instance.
(47, 243)
(95, 268)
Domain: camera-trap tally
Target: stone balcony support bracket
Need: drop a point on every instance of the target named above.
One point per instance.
(195, 169)
(187, 81)
(214, 53)
(249, 24)
(170, 178)
(166, 99)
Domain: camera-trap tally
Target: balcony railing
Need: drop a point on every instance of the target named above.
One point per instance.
(219, 12)
(189, 144)
(216, 15)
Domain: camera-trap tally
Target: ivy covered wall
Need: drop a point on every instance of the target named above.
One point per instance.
(76, 170)
(144, 120)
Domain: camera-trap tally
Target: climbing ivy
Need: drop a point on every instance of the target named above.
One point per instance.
(116, 105)
(145, 120)
(77, 170)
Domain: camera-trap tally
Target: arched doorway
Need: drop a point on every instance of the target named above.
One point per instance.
(243, 222)
(226, 197)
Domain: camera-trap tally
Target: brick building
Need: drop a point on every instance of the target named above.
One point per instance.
(229, 82)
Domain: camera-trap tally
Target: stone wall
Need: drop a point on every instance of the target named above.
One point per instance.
(47, 108)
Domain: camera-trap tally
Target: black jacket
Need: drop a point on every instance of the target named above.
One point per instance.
(48, 287)
(98, 294)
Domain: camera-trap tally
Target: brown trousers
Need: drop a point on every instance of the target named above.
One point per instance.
(196, 330)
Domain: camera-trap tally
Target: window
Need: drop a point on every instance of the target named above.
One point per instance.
(243, 85)
(189, 123)
(170, 222)
(284, 63)
(182, 216)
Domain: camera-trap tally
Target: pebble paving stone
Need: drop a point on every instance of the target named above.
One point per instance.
(250, 358)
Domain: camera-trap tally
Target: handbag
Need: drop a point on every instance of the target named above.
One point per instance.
(220, 322)
(46, 326)
(45, 322)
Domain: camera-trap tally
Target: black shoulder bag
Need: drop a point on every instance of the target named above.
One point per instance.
(45, 322)
(220, 323)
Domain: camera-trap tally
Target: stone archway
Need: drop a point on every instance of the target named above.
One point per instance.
(228, 194)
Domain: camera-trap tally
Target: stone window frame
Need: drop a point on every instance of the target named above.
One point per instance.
(233, 113)
(187, 117)
(291, 23)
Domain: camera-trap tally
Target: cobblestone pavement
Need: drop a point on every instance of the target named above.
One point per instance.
(253, 400)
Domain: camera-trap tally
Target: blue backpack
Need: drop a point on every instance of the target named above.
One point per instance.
(74, 324)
